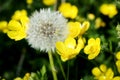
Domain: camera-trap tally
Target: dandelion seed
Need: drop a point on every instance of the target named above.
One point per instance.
(46, 27)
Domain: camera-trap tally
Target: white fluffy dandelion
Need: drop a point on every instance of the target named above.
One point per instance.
(46, 27)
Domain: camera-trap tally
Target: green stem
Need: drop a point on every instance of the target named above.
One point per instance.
(68, 71)
(61, 67)
(52, 65)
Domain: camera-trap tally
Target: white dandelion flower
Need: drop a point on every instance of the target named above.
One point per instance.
(46, 27)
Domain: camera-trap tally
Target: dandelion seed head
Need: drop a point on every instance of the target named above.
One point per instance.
(46, 27)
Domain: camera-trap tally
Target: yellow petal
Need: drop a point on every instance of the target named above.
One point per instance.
(98, 41)
(60, 47)
(96, 71)
(87, 49)
(118, 65)
(74, 28)
(84, 27)
(118, 55)
(74, 11)
(69, 54)
(3, 25)
(116, 78)
(109, 74)
(103, 68)
(14, 25)
(70, 42)
(80, 45)
(16, 35)
(29, 1)
(49, 2)
(92, 56)
(91, 41)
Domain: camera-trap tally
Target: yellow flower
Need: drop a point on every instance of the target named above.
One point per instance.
(16, 30)
(68, 10)
(93, 48)
(29, 2)
(102, 73)
(84, 27)
(3, 26)
(18, 78)
(49, 2)
(118, 55)
(99, 23)
(74, 28)
(118, 61)
(20, 15)
(69, 48)
(91, 16)
(116, 78)
(108, 9)
(27, 76)
(77, 29)
(118, 65)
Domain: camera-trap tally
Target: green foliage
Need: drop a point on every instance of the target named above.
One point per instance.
(39, 75)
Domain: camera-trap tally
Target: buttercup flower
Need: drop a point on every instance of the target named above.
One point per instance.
(93, 48)
(69, 48)
(68, 10)
(46, 27)
(20, 15)
(78, 29)
(102, 73)
(16, 30)
(49, 2)
(16, 27)
(108, 9)
(74, 28)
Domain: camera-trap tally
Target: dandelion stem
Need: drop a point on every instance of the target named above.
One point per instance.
(52, 65)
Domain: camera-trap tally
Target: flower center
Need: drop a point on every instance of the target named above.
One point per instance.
(48, 30)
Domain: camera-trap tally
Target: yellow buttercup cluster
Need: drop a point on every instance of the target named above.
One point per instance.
(93, 48)
(68, 10)
(49, 2)
(104, 73)
(16, 27)
(118, 61)
(71, 46)
(108, 9)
